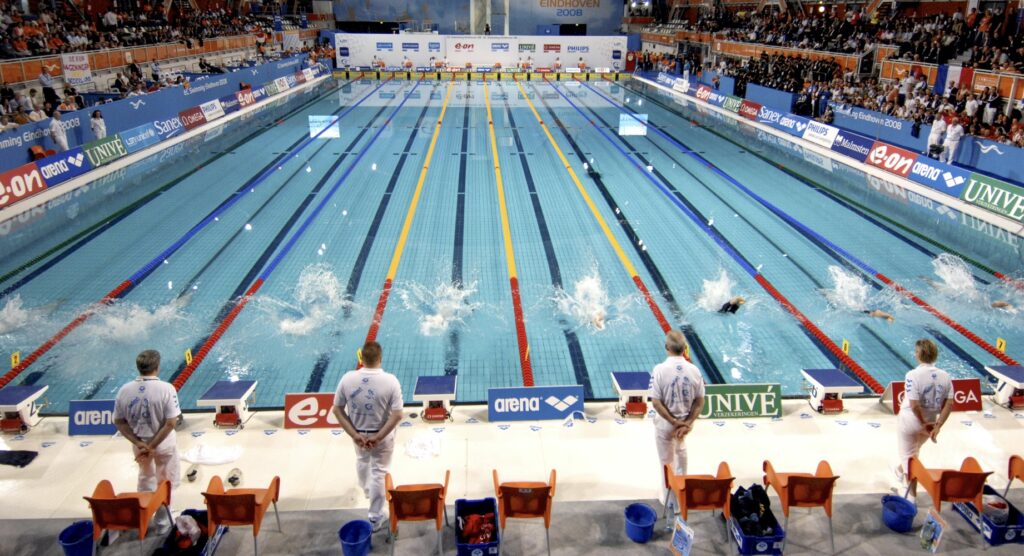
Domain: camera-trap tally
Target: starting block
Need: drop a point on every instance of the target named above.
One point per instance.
(437, 394)
(828, 387)
(231, 399)
(19, 408)
(1010, 390)
(633, 389)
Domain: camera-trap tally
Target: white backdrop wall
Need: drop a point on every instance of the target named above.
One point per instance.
(479, 50)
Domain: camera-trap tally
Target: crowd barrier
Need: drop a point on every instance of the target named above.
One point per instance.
(772, 98)
(159, 108)
(138, 123)
(984, 191)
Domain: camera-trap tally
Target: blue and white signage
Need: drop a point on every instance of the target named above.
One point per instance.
(410, 47)
(61, 167)
(140, 137)
(91, 417)
(499, 47)
(853, 145)
(939, 176)
(821, 134)
(533, 404)
(385, 46)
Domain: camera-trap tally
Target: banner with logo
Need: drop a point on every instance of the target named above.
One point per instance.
(939, 175)
(19, 183)
(61, 167)
(75, 69)
(966, 394)
(853, 145)
(192, 117)
(229, 103)
(891, 159)
(750, 110)
(533, 404)
(91, 417)
(995, 195)
(138, 138)
(212, 110)
(880, 126)
(733, 401)
(820, 134)
(309, 411)
(104, 151)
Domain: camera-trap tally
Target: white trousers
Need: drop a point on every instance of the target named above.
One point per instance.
(910, 436)
(371, 466)
(671, 450)
(949, 155)
(158, 465)
(933, 139)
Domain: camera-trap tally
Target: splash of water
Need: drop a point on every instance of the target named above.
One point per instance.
(318, 298)
(848, 290)
(14, 315)
(131, 323)
(589, 304)
(956, 276)
(715, 293)
(440, 308)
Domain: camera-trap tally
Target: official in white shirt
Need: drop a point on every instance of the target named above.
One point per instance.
(954, 133)
(938, 129)
(677, 392)
(926, 404)
(368, 405)
(57, 132)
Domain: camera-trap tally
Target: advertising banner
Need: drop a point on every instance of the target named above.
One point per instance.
(91, 417)
(229, 103)
(749, 110)
(966, 394)
(939, 175)
(282, 84)
(212, 110)
(731, 401)
(192, 117)
(853, 145)
(75, 69)
(820, 134)
(533, 404)
(61, 167)
(138, 138)
(891, 159)
(23, 181)
(245, 98)
(103, 151)
(995, 195)
(309, 411)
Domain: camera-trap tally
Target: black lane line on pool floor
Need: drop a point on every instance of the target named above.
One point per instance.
(316, 376)
(272, 246)
(858, 209)
(971, 361)
(452, 350)
(95, 230)
(818, 284)
(697, 346)
(572, 341)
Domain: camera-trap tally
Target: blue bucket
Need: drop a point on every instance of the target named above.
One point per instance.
(76, 539)
(898, 513)
(355, 537)
(640, 520)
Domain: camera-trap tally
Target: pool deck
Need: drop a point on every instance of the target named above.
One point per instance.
(606, 459)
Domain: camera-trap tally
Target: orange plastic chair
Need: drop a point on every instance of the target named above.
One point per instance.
(126, 511)
(803, 490)
(701, 492)
(949, 485)
(1016, 472)
(241, 506)
(526, 500)
(423, 502)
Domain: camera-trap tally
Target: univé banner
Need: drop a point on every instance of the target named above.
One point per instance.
(730, 401)
(995, 195)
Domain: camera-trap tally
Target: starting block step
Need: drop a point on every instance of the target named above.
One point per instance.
(437, 394)
(633, 388)
(1010, 387)
(828, 387)
(231, 400)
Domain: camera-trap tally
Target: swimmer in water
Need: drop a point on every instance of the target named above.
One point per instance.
(1000, 304)
(598, 320)
(879, 314)
(732, 305)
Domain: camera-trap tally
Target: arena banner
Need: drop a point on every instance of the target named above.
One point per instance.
(891, 159)
(61, 167)
(966, 394)
(534, 403)
(104, 151)
(995, 195)
(75, 69)
(91, 417)
(138, 138)
(820, 134)
(192, 117)
(853, 145)
(19, 183)
(749, 110)
(939, 176)
(311, 410)
(734, 401)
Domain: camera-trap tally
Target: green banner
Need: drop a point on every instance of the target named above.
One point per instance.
(732, 103)
(527, 47)
(103, 151)
(995, 195)
(731, 401)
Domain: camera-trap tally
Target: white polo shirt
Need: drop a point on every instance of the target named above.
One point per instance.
(368, 396)
(931, 387)
(677, 383)
(146, 403)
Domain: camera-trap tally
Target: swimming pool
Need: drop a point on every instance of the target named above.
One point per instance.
(397, 228)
